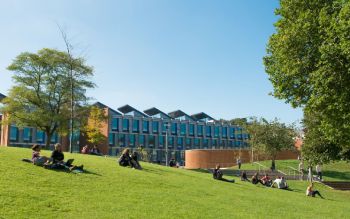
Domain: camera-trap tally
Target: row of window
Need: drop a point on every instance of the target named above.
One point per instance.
(27, 135)
(133, 140)
(185, 129)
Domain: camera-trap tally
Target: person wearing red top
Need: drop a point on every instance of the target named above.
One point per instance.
(265, 180)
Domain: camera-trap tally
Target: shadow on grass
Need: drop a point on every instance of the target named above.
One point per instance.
(336, 174)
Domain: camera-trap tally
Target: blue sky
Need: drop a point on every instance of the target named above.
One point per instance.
(191, 55)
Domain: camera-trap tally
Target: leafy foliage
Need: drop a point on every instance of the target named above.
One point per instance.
(41, 94)
(93, 128)
(308, 63)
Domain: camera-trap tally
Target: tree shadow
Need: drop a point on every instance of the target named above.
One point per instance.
(336, 174)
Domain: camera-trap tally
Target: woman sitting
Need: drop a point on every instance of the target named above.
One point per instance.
(36, 158)
(244, 176)
(125, 159)
(57, 160)
(217, 174)
(311, 192)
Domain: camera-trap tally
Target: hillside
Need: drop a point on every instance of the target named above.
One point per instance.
(110, 191)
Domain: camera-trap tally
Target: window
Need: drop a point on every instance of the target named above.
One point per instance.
(199, 130)
(155, 126)
(40, 136)
(145, 127)
(161, 140)
(205, 142)
(183, 129)
(216, 131)
(141, 140)
(208, 131)
(215, 142)
(191, 130)
(54, 138)
(151, 141)
(224, 132)
(188, 142)
(115, 124)
(14, 133)
(232, 132)
(196, 142)
(111, 139)
(135, 125)
(126, 125)
(132, 140)
(174, 128)
(170, 141)
(180, 141)
(27, 134)
(122, 140)
(164, 127)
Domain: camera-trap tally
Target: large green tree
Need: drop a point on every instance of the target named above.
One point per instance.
(270, 137)
(308, 63)
(41, 93)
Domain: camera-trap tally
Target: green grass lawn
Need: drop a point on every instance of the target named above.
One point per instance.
(110, 191)
(335, 171)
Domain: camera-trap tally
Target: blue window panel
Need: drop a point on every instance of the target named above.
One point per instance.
(180, 143)
(122, 140)
(132, 140)
(224, 132)
(215, 142)
(141, 140)
(40, 136)
(208, 131)
(161, 141)
(216, 131)
(151, 141)
(155, 127)
(145, 127)
(115, 124)
(125, 125)
(196, 142)
(136, 125)
(170, 141)
(27, 134)
(54, 138)
(174, 128)
(13, 133)
(111, 139)
(232, 132)
(200, 130)
(188, 142)
(183, 129)
(205, 142)
(191, 129)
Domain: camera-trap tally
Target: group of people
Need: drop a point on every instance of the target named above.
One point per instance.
(55, 161)
(309, 171)
(93, 151)
(131, 160)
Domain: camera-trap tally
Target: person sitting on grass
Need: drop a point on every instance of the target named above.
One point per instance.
(85, 149)
(311, 192)
(95, 151)
(36, 158)
(134, 160)
(280, 182)
(244, 176)
(217, 174)
(125, 159)
(265, 180)
(57, 160)
(255, 179)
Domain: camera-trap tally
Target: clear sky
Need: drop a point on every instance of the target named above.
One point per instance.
(193, 55)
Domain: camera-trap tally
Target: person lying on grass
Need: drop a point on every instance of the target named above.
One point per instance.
(217, 174)
(57, 160)
(280, 182)
(311, 192)
(36, 158)
(126, 160)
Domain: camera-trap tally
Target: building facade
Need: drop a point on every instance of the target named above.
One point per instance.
(152, 131)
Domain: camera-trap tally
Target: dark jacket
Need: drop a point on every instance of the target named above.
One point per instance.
(217, 174)
(57, 156)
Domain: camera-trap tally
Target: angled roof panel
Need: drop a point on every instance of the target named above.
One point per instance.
(128, 109)
(178, 113)
(101, 105)
(202, 116)
(154, 111)
(2, 96)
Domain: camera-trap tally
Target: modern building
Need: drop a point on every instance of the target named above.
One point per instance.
(152, 130)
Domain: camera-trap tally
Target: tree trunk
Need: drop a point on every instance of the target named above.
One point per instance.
(48, 140)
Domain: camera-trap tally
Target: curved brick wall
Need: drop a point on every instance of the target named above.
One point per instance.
(226, 158)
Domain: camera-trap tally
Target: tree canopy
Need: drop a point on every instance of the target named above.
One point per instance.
(308, 63)
(41, 94)
(95, 124)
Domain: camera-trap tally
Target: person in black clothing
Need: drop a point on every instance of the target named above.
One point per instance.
(134, 161)
(217, 174)
(172, 162)
(244, 176)
(255, 179)
(95, 151)
(57, 160)
(125, 159)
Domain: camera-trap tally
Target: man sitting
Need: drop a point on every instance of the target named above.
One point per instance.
(217, 174)
(265, 180)
(280, 182)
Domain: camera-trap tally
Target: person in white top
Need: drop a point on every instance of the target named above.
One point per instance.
(280, 182)
(319, 171)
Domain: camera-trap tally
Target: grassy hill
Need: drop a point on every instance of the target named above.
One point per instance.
(110, 191)
(336, 171)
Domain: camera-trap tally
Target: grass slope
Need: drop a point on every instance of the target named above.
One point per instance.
(336, 171)
(110, 191)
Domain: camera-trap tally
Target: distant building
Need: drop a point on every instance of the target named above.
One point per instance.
(129, 127)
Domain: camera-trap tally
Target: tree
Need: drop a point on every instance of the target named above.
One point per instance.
(270, 137)
(41, 95)
(93, 128)
(308, 63)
